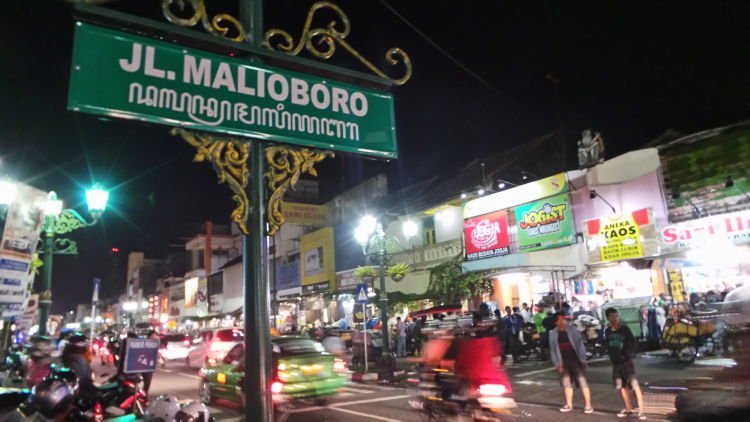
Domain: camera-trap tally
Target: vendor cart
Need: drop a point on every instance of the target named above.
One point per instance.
(686, 335)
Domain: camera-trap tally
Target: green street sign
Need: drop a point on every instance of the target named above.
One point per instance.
(118, 74)
(546, 223)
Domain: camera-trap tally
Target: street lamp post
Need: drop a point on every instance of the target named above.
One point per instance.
(372, 238)
(58, 221)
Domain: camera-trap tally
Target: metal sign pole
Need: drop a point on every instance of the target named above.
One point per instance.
(258, 406)
(364, 319)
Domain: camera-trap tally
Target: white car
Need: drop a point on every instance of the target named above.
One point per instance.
(212, 345)
(174, 347)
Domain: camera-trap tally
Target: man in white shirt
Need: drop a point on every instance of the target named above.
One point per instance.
(401, 333)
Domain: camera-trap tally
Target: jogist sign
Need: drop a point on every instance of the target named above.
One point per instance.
(544, 224)
(486, 236)
(733, 227)
(123, 75)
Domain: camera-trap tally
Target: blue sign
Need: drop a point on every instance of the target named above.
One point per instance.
(9, 264)
(288, 276)
(361, 294)
(141, 355)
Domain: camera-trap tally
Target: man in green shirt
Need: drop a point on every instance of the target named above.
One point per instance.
(621, 346)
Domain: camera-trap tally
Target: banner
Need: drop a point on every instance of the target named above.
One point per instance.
(305, 214)
(543, 224)
(542, 188)
(318, 263)
(621, 236)
(486, 236)
(141, 78)
(714, 230)
(191, 292)
(288, 276)
(23, 224)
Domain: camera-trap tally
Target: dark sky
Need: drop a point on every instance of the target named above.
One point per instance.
(630, 70)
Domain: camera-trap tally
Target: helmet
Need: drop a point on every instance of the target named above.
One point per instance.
(51, 396)
(77, 343)
(41, 347)
(164, 408)
(193, 412)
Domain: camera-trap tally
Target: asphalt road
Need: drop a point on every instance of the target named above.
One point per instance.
(535, 384)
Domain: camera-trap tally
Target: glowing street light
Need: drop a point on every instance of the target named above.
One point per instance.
(409, 228)
(62, 221)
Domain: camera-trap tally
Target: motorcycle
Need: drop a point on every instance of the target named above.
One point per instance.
(14, 367)
(590, 328)
(532, 341)
(121, 399)
(439, 394)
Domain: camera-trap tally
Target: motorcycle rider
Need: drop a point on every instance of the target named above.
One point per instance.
(77, 357)
(477, 354)
(40, 353)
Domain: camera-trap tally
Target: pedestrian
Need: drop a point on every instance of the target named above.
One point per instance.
(148, 376)
(569, 357)
(401, 333)
(621, 346)
(525, 312)
(501, 335)
(514, 323)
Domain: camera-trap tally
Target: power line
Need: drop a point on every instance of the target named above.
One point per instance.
(446, 54)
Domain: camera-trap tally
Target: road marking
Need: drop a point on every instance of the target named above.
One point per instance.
(552, 368)
(189, 376)
(355, 390)
(336, 406)
(364, 415)
(166, 370)
(352, 403)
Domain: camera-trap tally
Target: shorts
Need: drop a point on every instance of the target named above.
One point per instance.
(623, 375)
(573, 374)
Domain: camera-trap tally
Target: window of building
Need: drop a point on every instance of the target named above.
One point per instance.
(428, 225)
(216, 283)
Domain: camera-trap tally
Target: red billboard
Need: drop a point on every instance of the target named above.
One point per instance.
(486, 236)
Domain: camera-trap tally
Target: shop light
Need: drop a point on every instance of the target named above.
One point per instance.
(8, 192)
(480, 192)
(464, 196)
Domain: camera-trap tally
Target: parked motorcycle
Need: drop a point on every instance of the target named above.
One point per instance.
(591, 331)
(532, 341)
(13, 367)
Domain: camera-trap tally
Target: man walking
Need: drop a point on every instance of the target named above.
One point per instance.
(621, 346)
(514, 324)
(569, 356)
(401, 332)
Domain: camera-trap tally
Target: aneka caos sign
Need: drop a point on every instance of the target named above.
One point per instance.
(122, 75)
(486, 236)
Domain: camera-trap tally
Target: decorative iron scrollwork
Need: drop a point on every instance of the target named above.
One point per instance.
(221, 25)
(229, 158)
(68, 221)
(285, 166)
(321, 42)
(66, 247)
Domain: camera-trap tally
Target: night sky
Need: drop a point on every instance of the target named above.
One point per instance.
(631, 70)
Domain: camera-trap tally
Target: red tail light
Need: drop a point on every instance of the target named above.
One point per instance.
(98, 413)
(276, 387)
(492, 389)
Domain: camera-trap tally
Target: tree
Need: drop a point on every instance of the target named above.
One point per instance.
(449, 285)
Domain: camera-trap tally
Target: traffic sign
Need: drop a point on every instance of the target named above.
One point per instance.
(361, 294)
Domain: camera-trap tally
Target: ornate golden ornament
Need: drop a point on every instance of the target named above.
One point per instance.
(285, 166)
(229, 159)
(220, 25)
(321, 42)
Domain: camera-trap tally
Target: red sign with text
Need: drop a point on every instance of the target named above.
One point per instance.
(486, 236)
